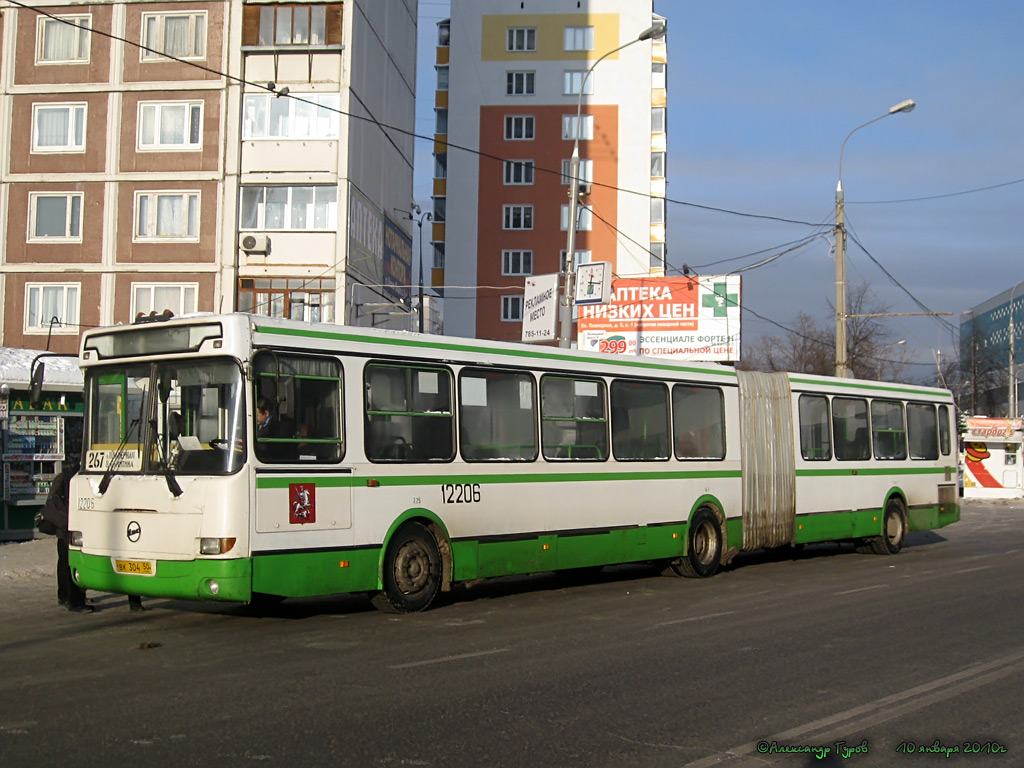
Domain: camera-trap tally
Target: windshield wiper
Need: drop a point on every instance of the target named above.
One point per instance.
(172, 481)
(115, 460)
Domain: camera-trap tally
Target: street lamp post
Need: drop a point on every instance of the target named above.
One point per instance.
(1011, 395)
(425, 216)
(653, 32)
(842, 369)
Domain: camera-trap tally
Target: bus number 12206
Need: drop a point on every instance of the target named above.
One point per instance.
(461, 493)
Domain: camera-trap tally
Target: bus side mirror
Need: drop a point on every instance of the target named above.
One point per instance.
(36, 388)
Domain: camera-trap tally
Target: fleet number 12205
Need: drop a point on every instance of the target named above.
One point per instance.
(460, 493)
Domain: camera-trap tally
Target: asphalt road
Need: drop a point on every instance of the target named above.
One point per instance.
(625, 668)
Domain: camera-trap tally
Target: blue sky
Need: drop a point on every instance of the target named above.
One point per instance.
(761, 96)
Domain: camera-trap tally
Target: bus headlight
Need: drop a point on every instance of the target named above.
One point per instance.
(74, 538)
(215, 546)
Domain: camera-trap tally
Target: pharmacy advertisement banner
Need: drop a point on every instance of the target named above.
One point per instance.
(686, 318)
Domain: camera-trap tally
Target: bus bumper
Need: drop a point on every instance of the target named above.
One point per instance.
(227, 580)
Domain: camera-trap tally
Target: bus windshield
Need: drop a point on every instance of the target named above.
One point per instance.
(182, 416)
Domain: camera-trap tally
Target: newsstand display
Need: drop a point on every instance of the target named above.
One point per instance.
(36, 438)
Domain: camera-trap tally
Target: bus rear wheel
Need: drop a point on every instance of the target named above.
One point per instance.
(412, 571)
(894, 530)
(704, 547)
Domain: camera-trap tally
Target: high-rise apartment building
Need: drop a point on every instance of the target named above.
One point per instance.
(510, 77)
(203, 155)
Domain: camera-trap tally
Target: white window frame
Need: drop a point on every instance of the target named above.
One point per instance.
(585, 128)
(325, 208)
(72, 227)
(659, 120)
(573, 79)
(186, 302)
(659, 75)
(578, 39)
(658, 160)
(82, 37)
(442, 77)
(517, 213)
(584, 218)
(197, 36)
(147, 204)
(77, 127)
(657, 210)
(441, 120)
(264, 116)
(68, 314)
(516, 262)
(521, 39)
(512, 308)
(579, 257)
(586, 172)
(518, 172)
(657, 256)
(522, 122)
(523, 82)
(190, 141)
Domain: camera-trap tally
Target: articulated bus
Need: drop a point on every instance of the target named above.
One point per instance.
(243, 458)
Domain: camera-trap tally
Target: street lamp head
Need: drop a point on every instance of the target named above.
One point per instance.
(903, 106)
(653, 32)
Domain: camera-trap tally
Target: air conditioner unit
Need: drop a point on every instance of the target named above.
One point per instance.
(256, 244)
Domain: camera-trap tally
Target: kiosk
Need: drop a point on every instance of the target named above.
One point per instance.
(991, 458)
(35, 438)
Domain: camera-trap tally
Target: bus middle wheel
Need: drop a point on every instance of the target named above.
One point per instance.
(412, 571)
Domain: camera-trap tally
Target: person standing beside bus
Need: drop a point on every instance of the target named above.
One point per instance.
(54, 519)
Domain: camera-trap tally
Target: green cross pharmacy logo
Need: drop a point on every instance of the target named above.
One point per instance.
(720, 299)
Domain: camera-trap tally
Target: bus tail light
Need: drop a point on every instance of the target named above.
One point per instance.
(215, 546)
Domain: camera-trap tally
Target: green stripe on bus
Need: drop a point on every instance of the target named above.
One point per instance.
(528, 353)
(181, 579)
(873, 471)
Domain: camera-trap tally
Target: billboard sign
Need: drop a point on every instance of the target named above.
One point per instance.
(540, 308)
(686, 318)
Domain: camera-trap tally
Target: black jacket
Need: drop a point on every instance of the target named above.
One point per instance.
(55, 510)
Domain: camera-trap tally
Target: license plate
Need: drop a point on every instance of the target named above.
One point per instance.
(138, 567)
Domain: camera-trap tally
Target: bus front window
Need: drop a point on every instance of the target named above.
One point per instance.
(186, 417)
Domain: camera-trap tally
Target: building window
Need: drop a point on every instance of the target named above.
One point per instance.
(579, 38)
(442, 78)
(519, 127)
(657, 210)
(179, 298)
(586, 172)
(519, 171)
(584, 218)
(517, 217)
(521, 39)
(440, 208)
(441, 166)
(658, 77)
(579, 257)
(296, 298)
(657, 120)
(58, 127)
(444, 33)
(46, 302)
(170, 125)
(578, 128)
(511, 309)
(519, 83)
(166, 215)
(308, 208)
(306, 116)
(657, 165)
(438, 256)
(574, 79)
(55, 216)
(657, 256)
(517, 262)
(182, 35)
(284, 25)
(440, 121)
(63, 40)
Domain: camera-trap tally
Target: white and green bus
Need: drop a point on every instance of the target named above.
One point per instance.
(237, 458)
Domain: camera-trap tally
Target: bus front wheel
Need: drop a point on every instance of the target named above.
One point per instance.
(894, 530)
(704, 546)
(412, 571)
